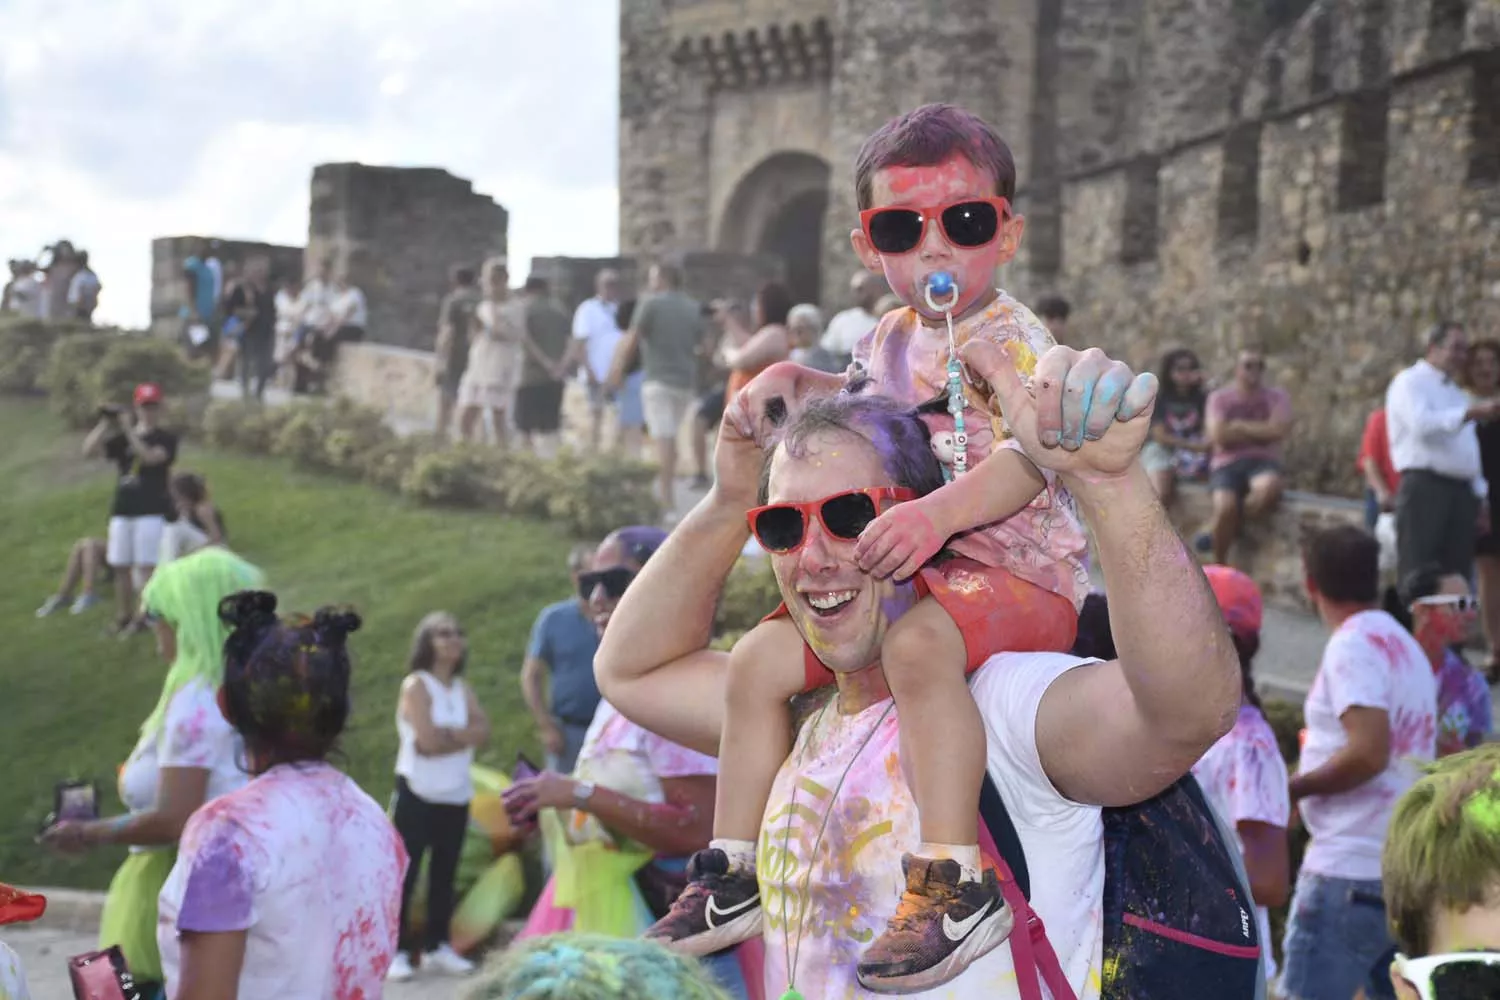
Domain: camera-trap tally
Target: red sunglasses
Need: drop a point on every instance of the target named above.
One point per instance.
(782, 527)
(968, 224)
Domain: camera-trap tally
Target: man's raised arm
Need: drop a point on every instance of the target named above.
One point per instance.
(653, 663)
(1119, 732)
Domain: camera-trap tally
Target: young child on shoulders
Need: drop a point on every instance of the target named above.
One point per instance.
(997, 557)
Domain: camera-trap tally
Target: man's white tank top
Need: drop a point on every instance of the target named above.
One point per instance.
(443, 779)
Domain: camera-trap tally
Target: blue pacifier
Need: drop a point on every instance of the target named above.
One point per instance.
(940, 285)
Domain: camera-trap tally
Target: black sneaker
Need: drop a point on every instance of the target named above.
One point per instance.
(940, 926)
(717, 910)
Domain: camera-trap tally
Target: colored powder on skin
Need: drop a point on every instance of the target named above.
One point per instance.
(1484, 812)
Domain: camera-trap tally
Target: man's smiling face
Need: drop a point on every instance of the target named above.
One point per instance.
(841, 611)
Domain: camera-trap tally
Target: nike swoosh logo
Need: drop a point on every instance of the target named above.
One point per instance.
(713, 910)
(957, 930)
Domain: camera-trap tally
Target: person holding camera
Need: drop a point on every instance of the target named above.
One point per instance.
(144, 452)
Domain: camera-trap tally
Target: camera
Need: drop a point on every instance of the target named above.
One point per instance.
(111, 411)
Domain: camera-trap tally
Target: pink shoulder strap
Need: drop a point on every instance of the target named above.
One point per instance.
(1031, 951)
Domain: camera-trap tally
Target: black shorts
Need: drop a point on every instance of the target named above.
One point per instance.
(1235, 477)
(539, 408)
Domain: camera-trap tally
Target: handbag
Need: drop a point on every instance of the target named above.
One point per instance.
(102, 975)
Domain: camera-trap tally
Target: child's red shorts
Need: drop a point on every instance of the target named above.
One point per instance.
(995, 610)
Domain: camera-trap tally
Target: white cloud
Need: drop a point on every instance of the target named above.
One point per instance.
(121, 122)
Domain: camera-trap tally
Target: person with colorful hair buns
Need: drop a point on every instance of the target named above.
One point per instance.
(289, 886)
(187, 753)
(1243, 775)
(621, 827)
(591, 967)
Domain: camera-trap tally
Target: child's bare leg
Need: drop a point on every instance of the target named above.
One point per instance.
(950, 913)
(721, 905)
(942, 734)
(765, 671)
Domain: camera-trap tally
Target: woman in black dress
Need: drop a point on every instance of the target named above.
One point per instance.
(1482, 380)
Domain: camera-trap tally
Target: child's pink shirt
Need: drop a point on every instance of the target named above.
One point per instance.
(1044, 543)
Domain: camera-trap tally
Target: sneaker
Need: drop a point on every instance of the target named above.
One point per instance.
(940, 926)
(719, 908)
(1204, 543)
(448, 962)
(400, 970)
(83, 603)
(50, 605)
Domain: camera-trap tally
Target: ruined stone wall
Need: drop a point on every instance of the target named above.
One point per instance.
(169, 286)
(1335, 275)
(398, 231)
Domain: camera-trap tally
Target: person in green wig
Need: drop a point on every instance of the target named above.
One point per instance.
(187, 753)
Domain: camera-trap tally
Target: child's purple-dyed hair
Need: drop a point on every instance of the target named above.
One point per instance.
(928, 136)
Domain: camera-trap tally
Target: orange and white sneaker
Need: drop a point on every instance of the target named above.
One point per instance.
(941, 925)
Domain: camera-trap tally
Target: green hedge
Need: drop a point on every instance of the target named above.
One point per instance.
(591, 496)
(25, 347)
(87, 369)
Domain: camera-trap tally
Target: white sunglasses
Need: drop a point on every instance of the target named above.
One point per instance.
(1467, 975)
(1458, 602)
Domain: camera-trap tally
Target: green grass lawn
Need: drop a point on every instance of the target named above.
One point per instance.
(72, 700)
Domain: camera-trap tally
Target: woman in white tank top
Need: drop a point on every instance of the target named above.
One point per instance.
(440, 724)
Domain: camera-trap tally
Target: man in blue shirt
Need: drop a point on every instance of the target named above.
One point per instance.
(563, 641)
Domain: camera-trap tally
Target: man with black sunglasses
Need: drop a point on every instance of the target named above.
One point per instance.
(560, 655)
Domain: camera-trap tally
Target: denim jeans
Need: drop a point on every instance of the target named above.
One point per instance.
(1336, 932)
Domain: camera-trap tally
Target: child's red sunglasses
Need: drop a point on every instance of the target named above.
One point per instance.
(967, 224)
(782, 527)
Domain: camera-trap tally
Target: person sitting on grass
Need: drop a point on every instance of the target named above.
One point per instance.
(86, 566)
(199, 522)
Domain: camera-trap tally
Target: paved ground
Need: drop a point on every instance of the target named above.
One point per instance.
(44, 953)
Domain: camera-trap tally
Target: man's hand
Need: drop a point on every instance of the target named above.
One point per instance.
(1082, 415)
(899, 542)
(553, 739)
(773, 397)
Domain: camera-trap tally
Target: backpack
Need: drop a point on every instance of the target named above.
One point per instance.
(1179, 922)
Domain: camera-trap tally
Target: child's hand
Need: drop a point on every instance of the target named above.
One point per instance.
(899, 542)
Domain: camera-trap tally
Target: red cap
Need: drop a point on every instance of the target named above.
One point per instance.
(147, 392)
(1238, 596)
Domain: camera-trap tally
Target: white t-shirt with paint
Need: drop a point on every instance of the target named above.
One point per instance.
(1371, 662)
(193, 734)
(309, 866)
(1245, 780)
(856, 881)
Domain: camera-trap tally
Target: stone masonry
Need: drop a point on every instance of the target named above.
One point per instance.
(397, 231)
(1318, 178)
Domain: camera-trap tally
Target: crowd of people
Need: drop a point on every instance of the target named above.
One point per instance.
(57, 286)
(930, 751)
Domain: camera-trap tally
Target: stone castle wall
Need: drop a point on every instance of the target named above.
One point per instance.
(1315, 176)
(398, 231)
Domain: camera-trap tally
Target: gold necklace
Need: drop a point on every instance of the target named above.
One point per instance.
(795, 955)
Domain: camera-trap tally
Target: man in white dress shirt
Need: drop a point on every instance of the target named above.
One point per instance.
(1443, 497)
(850, 326)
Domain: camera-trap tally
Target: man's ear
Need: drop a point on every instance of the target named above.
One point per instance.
(867, 254)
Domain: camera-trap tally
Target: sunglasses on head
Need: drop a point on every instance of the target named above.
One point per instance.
(614, 581)
(1455, 602)
(966, 224)
(782, 527)
(1473, 975)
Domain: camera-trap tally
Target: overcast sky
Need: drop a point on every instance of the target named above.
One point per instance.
(125, 120)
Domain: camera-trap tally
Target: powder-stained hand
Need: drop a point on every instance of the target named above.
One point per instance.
(899, 542)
